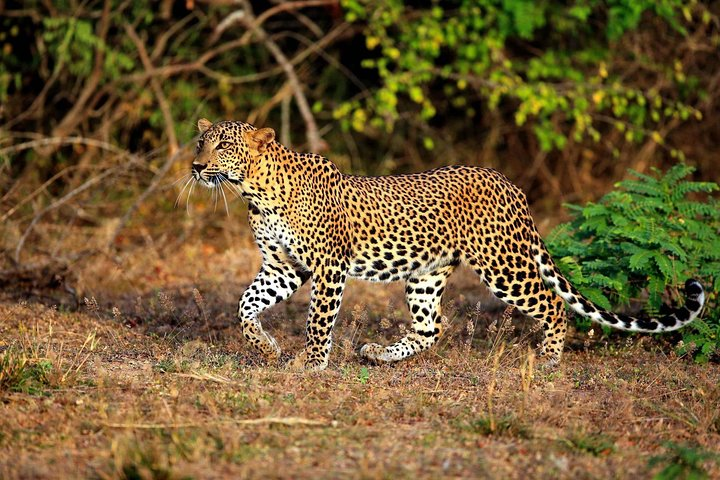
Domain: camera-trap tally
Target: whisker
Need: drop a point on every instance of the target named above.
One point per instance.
(187, 199)
(214, 192)
(238, 192)
(182, 177)
(232, 188)
(188, 182)
(222, 190)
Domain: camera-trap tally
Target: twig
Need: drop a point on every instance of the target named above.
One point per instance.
(36, 192)
(162, 40)
(288, 421)
(199, 65)
(148, 191)
(227, 22)
(75, 140)
(89, 183)
(157, 89)
(319, 49)
(207, 376)
(305, 20)
(260, 114)
(237, 16)
(289, 6)
(285, 121)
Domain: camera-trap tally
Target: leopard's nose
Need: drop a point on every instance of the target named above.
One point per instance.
(198, 167)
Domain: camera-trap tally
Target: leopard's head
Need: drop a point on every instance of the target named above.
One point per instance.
(225, 149)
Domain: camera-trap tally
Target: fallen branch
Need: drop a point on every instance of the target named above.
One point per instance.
(208, 376)
(288, 421)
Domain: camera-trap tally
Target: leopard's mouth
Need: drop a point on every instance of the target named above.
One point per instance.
(215, 180)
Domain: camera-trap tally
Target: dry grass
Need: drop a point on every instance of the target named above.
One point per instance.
(150, 379)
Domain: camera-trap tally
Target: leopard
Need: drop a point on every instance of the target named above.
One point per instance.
(311, 222)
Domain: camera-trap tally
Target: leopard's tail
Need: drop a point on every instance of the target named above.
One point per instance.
(677, 318)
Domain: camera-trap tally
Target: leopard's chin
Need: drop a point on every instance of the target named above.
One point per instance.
(206, 182)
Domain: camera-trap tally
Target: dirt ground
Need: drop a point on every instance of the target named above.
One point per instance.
(150, 378)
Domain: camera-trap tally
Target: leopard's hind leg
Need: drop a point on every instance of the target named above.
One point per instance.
(423, 294)
(524, 289)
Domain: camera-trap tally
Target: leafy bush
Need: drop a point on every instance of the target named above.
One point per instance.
(555, 62)
(649, 233)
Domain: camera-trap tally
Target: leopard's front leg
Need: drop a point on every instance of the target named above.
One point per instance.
(274, 283)
(278, 278)
(327, 291)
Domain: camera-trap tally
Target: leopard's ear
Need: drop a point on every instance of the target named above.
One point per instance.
(204, 125)
(258, 140)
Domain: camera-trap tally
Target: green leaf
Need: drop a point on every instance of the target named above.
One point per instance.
(640, 259)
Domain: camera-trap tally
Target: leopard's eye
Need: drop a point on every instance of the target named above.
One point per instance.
(224, 145)
(199, 146)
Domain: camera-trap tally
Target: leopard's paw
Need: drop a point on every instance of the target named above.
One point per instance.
(551, 359)
(297, 363)
(373, 352)
(302, 363)
(270, 349)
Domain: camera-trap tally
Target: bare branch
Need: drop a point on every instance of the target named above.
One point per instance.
(315, 143)
(36, 192)
(309, 24)
(61, 201)
(227, 22)
(162, 41)
(75, 116)
(258, 115)
(318, 48)
(239, 16)
(55, 141)
(157, 89)
(285, 121)
(199, 64)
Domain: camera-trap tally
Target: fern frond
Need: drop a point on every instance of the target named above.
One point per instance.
(665, 265)
(645, 189)
(639, 260)
(682, 190)
(674, 175)
(652, 231)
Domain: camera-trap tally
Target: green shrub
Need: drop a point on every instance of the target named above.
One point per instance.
(682, 462)
(647, 237)
(18, 373)
(596, 444)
